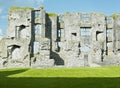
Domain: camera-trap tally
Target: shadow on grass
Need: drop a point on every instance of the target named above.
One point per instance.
(56, 82)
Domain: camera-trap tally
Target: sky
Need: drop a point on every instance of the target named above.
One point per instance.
(107, 7)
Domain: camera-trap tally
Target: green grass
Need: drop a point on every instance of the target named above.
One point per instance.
(102, 77)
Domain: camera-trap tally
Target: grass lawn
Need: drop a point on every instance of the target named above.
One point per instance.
(100, 77)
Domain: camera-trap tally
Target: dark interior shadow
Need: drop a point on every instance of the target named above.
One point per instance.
(56, 82)
(57, 58)
(48, 27)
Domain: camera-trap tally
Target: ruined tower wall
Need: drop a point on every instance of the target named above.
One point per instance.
(36, 38)
(18, 40)
(76, 42)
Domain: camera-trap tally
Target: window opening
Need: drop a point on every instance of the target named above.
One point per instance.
(85, 31)
(85, 17)
(75, 34)
(37, 14)
(38, 29)
(109, 32)
(36, 47)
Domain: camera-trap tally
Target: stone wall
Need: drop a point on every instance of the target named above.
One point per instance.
(67, 40)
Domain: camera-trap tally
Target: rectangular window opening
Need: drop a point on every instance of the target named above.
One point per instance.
(38, 29)
(109, 44)
(109, 20)
(85, 31)
(37, 14)
(60, 44)
(109, 32)
(85, 17)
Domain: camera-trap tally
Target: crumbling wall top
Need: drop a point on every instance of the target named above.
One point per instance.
(20, 8)
(51, 14)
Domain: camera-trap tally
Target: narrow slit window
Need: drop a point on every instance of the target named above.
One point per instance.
(36, 47)
(59, 33)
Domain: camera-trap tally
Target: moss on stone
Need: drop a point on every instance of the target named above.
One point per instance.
(67, 12)
(37, 20)
(20, 8)
(114, 16)
(51, 14)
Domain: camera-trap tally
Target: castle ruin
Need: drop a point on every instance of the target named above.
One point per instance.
(36, 38)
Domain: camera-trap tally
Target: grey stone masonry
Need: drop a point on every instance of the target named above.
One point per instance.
(36, 38)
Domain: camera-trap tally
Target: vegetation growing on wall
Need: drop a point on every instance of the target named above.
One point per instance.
(20, 8)
(67, 12)
(51, 14)
(114, 16)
